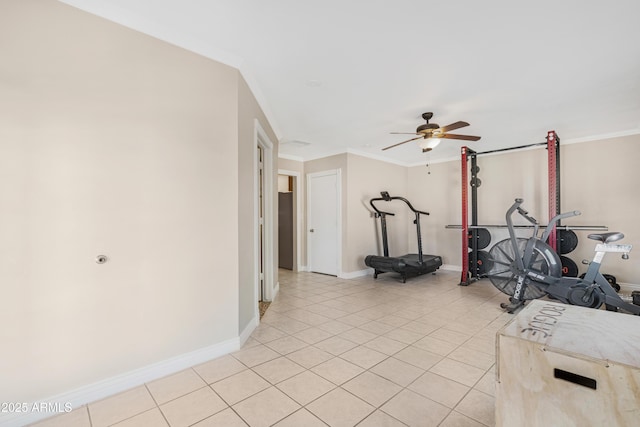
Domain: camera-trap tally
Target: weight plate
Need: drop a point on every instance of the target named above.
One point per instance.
(476, 169)
(569, 268)
(475, 182)
(483, 237)
(568, 241)
(483, 265)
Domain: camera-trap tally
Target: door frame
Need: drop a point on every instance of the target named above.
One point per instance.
(298, 208)
(338, 249)
(260, 138)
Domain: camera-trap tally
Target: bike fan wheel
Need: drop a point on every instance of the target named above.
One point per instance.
(504, 271)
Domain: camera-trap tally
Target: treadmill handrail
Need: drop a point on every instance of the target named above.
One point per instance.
(387, 198)
(378, 211)
(409, 204)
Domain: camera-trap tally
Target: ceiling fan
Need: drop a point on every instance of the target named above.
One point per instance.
(432, 133)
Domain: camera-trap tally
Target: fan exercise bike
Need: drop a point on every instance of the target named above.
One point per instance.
(529, 268)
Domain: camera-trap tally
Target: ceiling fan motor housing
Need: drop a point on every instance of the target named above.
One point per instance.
(427, 128)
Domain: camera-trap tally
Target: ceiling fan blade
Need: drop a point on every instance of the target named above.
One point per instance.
(403, 133)
(463, 137)
(453, 126)
(403, 142)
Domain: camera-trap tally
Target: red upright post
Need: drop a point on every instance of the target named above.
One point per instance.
(464, 279)
(553, 184)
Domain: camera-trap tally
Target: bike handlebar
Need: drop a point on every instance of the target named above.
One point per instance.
(525, 214)
(549, 228)
(565, 215)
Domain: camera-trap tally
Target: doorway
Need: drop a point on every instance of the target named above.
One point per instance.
(263, 218)
(285, 229)
(289, 182)
(324, 222)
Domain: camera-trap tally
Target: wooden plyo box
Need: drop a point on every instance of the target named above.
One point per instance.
(562, 365)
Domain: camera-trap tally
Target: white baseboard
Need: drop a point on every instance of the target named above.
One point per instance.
(354, 274)
(451, 267)
(248, 330)
(119, 383)
(627, 288)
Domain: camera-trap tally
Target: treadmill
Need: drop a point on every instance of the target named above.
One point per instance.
(408, 265)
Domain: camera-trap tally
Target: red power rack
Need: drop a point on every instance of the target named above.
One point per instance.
(467, 154)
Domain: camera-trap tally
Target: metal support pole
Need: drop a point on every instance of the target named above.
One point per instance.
(417, 222)
(558, 187)
(554, 192)
(464, 279)
(385, 241)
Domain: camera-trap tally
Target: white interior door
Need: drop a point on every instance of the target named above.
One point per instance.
(323, 222)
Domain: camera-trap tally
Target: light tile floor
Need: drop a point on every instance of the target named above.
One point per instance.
(336, 352)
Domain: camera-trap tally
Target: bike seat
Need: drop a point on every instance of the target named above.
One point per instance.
(607, 237)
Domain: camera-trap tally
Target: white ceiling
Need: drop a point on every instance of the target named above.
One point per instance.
(341, 74)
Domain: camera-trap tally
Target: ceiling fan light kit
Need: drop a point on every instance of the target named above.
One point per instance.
(432, 133)
(429, 144)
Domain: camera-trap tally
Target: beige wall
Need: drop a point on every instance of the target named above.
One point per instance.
(112, 142)
(437, 190)
(283, 184)
(365, 179)
(291, 165)
(600, 179)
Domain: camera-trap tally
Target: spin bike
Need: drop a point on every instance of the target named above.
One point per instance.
(529, 268)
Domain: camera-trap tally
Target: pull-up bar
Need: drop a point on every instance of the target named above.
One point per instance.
(561, 227)
(511, 148)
